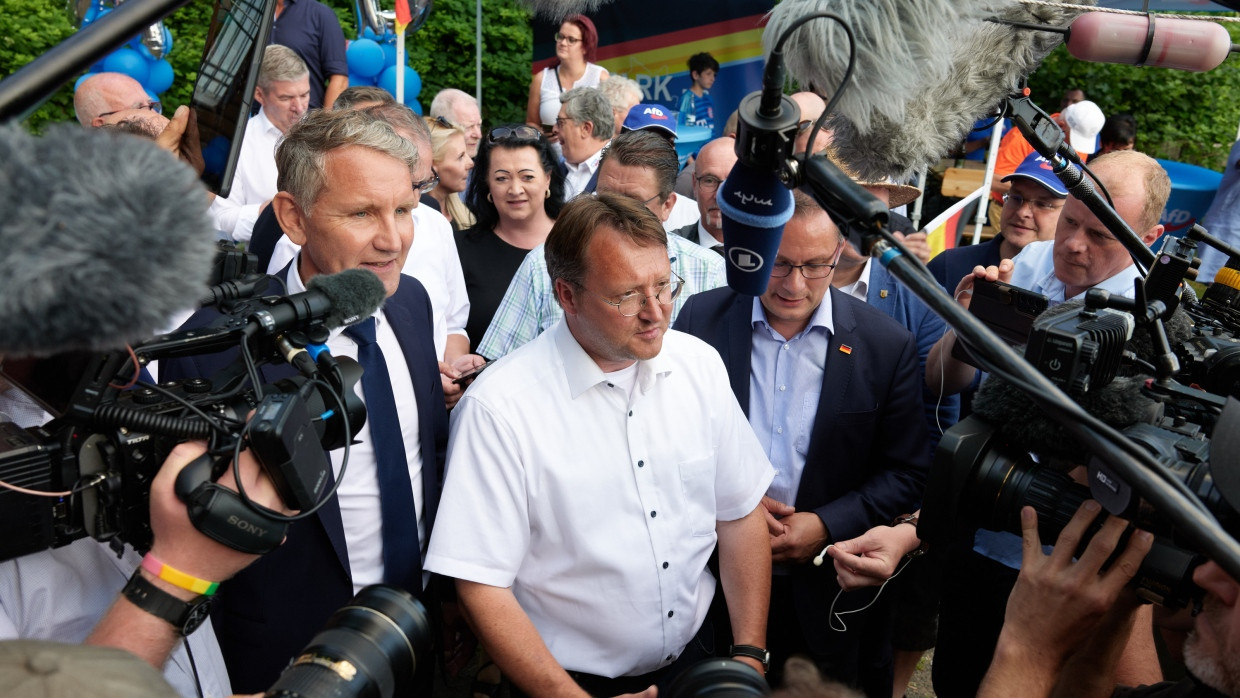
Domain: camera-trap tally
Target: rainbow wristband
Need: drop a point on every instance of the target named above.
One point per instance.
(177, 577)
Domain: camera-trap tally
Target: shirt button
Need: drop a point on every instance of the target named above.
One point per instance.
(654, 514)
(779, 430)
(783, 388)
(630, 413)
(785, 348)
(670, 614)
(665, 565)
(641, 463)
(670, 657)
(611, 385)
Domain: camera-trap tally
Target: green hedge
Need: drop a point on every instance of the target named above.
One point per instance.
(1183, 116)
(442, 51)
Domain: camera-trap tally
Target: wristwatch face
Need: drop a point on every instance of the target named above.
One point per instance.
(197, 613)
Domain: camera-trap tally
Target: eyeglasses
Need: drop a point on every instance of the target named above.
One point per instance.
(524, 131)
(803, 126)
(708, 182)
(570, 40)
(1039, 204)
(632, 302)
(444, 122)
(601, 190)
(810, 271)
(152, 105)
(426, 185)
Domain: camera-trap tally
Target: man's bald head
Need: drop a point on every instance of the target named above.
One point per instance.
(812, 107)
(106, 92)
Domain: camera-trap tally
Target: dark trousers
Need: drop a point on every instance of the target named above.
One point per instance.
(975, 593)
(699, 648)
(859, 656)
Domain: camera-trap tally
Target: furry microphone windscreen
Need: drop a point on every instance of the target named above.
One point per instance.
(105, 237)
(1120, 403)
(926, 71)
(354, 293)
(556, 10)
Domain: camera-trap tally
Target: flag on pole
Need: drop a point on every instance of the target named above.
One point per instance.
(941, 232)
(403, 15)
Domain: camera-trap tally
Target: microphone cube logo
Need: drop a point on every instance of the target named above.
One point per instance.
(745, 259)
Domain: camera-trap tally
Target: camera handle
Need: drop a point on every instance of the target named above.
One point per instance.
(219, 513)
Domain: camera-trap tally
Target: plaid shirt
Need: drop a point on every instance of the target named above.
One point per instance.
(529, 306)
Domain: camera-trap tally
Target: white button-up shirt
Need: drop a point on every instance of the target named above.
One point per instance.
(596, 506)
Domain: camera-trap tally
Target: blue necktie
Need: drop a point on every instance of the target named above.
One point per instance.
(402, 555)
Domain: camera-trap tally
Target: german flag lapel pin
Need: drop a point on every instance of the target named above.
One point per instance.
(845, 349)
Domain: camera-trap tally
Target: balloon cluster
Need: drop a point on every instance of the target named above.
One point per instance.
(372, 61)
(142, 59)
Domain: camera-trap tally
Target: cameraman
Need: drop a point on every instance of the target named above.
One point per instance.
(73, 594)
(1067, 622)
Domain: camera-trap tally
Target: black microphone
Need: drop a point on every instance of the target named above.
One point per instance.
(334, 300)
(105, 238)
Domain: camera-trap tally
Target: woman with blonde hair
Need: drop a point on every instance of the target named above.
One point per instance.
(452, 166)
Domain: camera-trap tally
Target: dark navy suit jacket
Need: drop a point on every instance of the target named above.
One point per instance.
(867, 459)
(950, 266)
(266, 614)
(898, 302)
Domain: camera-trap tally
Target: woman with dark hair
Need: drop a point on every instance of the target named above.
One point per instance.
(516, 193)
(575, 46)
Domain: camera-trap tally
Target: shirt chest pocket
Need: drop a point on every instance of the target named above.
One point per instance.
(697, 492)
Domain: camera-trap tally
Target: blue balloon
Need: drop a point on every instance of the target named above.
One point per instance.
(415, 105)
(365, 58)
(161, 76)
(214, 158)
(129, 62)
(389, 53)
(369, 33)
(356, 80)
(413, 83)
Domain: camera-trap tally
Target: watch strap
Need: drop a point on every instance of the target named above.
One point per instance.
(759, 653)
(184, 616)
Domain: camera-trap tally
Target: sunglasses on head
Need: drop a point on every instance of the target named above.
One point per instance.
(524, 132)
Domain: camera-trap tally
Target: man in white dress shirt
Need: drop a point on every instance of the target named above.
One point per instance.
(592, 472)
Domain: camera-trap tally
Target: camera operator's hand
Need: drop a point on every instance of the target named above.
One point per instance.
(1058, 604)
(1002, 272)
(945, 374)
(180, 137)
(179, 545)
(871, 558)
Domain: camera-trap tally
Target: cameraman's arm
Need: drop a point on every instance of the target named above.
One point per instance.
(947, 375)
(179, 545)
(1058, 604)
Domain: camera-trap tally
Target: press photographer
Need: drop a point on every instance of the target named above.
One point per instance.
(68, 198)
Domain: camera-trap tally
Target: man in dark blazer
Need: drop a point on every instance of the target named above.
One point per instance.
(850, 449)
(360, 203)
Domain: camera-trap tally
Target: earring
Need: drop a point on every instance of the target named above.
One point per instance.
(547, 194)
(490, 199)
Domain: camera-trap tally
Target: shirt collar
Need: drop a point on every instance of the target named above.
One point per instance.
(822, 317)
(583, 373)
(589, 164)
(860, 289)
(705, 239)
(268, 127)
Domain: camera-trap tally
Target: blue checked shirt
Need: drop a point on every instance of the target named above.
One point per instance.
(529, 305)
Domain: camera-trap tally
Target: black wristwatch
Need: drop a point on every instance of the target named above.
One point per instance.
(185, 616)
(758, 653)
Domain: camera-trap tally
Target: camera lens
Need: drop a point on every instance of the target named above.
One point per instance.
(719, 678)
(368, 648)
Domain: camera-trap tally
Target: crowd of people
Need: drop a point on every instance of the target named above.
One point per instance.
(653, 469)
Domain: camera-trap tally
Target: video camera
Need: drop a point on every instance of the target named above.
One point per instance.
(1171, 387)
(112, 430)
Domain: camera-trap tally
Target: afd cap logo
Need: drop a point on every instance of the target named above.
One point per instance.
(745, 259)
(655, 113)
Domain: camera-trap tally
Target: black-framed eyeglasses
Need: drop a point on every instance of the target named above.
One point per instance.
(600, 190)
(804, 124)
(444, 122)
(1039, 204)
(810, 271)
(426, 185)
(153, 105)
(631, 303)
(708, 182)
(523, 131)
(570, 40)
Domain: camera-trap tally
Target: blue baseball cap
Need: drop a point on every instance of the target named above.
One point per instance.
(1037, 168)
(651, 117)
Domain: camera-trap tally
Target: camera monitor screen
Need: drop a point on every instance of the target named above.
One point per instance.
(224, 92)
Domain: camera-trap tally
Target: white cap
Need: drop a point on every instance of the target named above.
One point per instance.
(1084, 121)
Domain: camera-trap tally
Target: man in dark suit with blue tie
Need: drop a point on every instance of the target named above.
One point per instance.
(346, 196)
(833, 391)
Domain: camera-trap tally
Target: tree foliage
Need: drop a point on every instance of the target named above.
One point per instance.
(442, 51)
(1183, 116)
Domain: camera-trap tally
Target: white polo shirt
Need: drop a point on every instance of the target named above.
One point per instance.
(597, 504)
